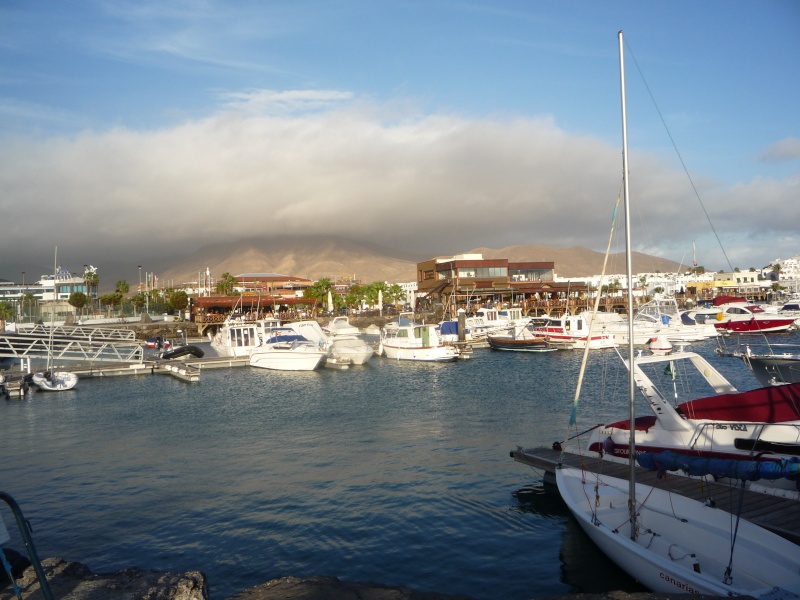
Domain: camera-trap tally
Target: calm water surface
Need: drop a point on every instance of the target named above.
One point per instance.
(397, 473)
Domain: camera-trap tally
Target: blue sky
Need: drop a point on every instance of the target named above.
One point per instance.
(430, 127)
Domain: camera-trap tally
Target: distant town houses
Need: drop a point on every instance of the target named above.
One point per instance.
(466, 280)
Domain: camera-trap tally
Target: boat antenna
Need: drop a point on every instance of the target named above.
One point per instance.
(629, 267)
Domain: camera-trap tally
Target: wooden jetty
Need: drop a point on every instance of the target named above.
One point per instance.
(187, 370)
(779, 515)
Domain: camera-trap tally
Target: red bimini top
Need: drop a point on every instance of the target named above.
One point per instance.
(773, 404)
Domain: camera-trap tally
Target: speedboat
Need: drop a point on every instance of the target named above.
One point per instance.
(735, 315)
(416, 342)
(285, 350)
(759, 425)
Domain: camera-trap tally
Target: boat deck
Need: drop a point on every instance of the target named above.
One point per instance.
(779, 515)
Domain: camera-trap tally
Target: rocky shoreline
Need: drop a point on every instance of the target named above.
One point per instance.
(75, 581)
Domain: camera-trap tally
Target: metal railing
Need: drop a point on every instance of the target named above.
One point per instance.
(25, 531)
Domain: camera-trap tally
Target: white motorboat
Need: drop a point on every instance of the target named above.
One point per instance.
(239, 336)
(670, 543)
(417, 342)
(403, 319)
(572, 331)
(285, 350)
(736, 315)
(341, 348)
(341, 326)
(658, 318)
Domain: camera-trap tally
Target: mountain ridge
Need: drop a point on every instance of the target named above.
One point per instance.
(314, 257)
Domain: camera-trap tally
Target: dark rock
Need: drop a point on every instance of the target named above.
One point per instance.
(74, 581)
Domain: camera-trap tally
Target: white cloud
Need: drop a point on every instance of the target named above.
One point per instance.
(783, 150)
(430, 184)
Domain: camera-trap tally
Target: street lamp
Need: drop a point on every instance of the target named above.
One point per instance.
(139, 289)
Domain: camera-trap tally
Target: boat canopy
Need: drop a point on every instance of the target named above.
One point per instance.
(747, 470)
(450, 328)
(772, 404)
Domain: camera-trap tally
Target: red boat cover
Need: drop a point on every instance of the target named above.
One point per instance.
(773, 404)
(719, 300)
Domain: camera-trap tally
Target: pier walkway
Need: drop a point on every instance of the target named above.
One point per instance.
(779, 515)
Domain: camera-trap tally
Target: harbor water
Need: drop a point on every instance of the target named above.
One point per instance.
(395, 472)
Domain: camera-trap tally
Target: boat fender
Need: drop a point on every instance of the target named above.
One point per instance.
(720, 317)
(608, 446)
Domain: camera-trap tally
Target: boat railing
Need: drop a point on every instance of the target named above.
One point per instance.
(25, 530)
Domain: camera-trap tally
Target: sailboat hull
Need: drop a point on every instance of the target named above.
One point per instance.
(682, 546)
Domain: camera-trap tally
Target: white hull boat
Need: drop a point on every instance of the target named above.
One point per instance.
(58, 381)
(572, 332)
(238, 337)
(417, 342)
(341, 326)
(351, 349)
(681, 546)
(341, 348)
(285, 350)
(670, 543)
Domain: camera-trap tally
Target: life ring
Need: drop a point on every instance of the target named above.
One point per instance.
(720, 316)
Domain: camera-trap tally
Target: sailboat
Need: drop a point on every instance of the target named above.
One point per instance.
(52, 380)
(670, 543)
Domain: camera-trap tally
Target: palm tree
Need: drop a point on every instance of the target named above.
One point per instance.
(226, 284)
(92, 280)
(318, 292)
(6, 312)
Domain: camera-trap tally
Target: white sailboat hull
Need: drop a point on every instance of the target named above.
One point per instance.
(682, 545)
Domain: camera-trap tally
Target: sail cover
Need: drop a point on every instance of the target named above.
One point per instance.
(748, 470)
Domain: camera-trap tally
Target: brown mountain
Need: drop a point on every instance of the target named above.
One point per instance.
(334, 257)
(309, 257)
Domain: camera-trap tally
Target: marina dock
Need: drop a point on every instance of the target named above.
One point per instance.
(779, 515)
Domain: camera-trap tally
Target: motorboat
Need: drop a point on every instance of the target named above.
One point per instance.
(341, 326)
(735, 315)
(239, 335)
(660, 317)
(572, 331)
(404, 319)
(777, 365)
(341, 348)
(761, 424)
(416, 342)
(285, 350)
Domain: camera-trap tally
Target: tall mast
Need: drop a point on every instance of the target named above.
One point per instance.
(629, 267)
